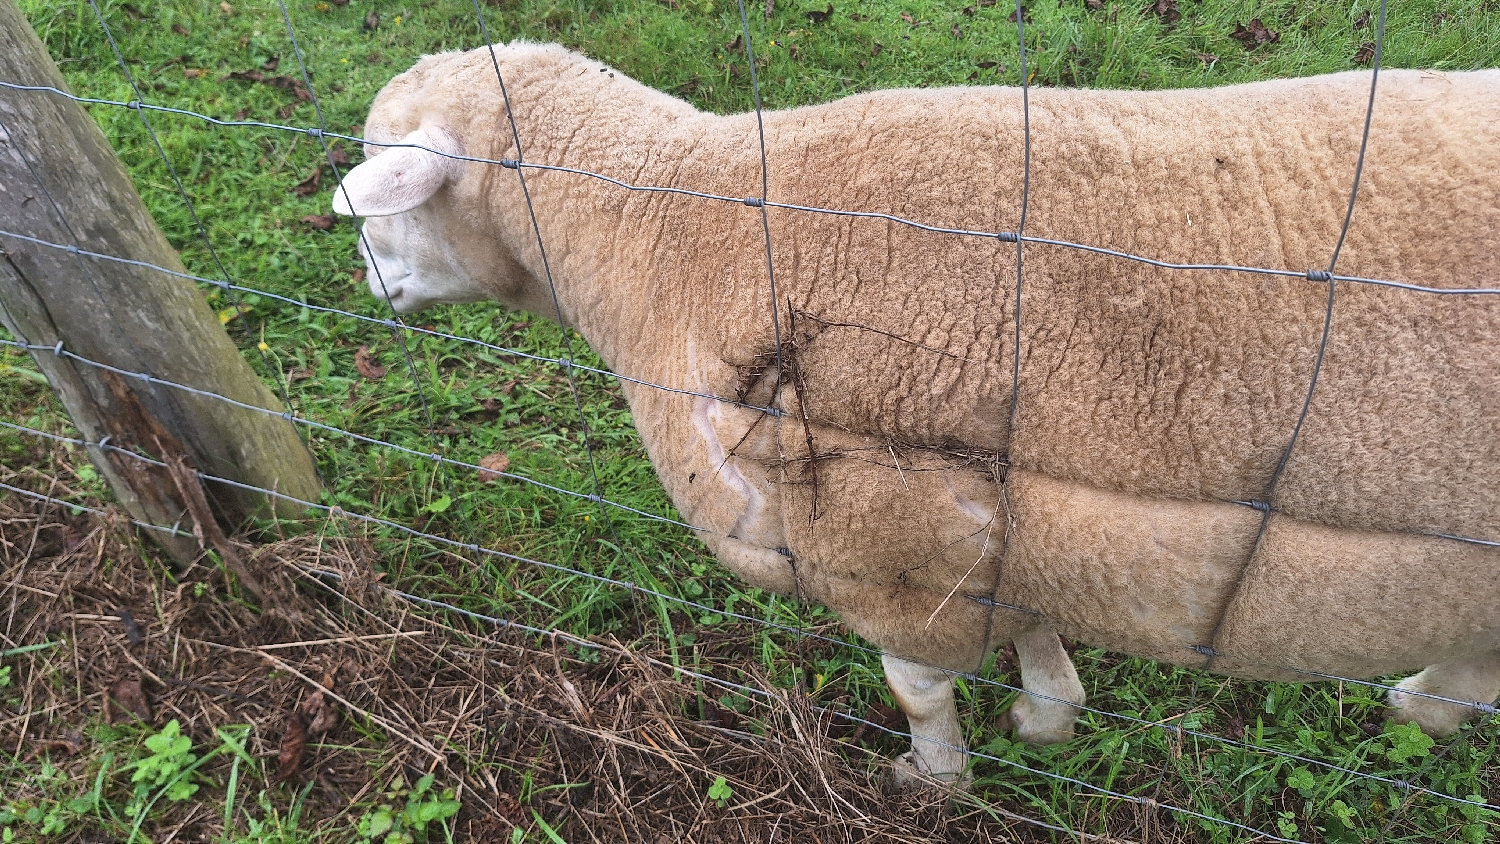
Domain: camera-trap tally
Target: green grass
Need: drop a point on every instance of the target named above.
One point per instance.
(241, 182)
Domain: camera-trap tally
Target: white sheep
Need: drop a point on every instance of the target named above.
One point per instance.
(892, 488)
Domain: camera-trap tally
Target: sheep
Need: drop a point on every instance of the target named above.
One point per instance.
(894, 484)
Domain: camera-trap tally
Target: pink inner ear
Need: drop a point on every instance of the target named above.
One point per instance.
(399, 179)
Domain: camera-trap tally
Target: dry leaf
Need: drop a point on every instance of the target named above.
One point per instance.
(225, 8)
(338, 157)
(1254, 34)
(180, 30)
(127, 698)
(491, 465)
(321, 222)
(372, 21)
(770, 7)
(295, 86)
(194, 72)
(510, 809)
(365, 363)
(1164, 9)
(313, 717)
(358, 276)
(69, 743)
(1365, 54)
(293, 744)
(321, 716)
(309, 185)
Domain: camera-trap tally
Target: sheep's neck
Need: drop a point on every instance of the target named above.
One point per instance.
(588, 254)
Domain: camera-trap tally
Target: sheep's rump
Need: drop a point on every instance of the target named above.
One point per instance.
(1150, 400)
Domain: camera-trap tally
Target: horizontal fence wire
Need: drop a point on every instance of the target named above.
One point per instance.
(570, 366)
(61, 350)
(388, 322)
(1165, 727)
(730, 685)
(1317, 276)
(831, 712)
(411, 598)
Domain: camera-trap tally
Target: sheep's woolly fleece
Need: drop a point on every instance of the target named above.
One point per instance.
(1150, 400)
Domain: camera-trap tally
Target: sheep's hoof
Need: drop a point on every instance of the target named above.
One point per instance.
(1437, 718)
(907, 776)
(1027, 730)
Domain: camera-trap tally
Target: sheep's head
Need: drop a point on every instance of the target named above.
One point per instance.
(410, 256)
(445, 222)
(429, 225)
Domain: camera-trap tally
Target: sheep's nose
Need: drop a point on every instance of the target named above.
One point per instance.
(384, 288)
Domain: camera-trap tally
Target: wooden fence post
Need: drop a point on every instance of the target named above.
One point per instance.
(60, 182)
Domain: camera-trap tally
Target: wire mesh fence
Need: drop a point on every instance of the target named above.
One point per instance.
(448, 475)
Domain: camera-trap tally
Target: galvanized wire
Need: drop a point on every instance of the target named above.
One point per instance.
(411, 366)
(1049, 775)
(387, 322)
(1165, 726)
(763, 202)
(1003, 236)
(182, 193)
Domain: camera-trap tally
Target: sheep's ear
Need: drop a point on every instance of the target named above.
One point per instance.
(401, 178)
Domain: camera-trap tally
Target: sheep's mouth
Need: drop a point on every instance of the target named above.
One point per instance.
(400, 302)
(391, 290)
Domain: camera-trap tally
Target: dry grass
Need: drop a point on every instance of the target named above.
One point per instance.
(602, 741)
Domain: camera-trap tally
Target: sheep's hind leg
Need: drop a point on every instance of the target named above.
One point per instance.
(1474, 678)
(1045, 715)
(925, 694)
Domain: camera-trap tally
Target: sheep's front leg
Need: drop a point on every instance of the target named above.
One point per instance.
(1475, 678)
(1047, 671)
(926, 696)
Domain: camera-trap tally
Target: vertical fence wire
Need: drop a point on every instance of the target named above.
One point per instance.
(202, 231)
(569, 357)
(787, 374)
(763, 203)
(1266, 503)
(1002, 473)
(419, 385)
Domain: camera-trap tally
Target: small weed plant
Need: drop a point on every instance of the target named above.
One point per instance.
(721, 792)
(254, 189)
(385, 824)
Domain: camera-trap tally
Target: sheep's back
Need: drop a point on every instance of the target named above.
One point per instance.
(1163, 383)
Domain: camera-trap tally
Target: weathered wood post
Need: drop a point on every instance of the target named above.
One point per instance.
(60, 182)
